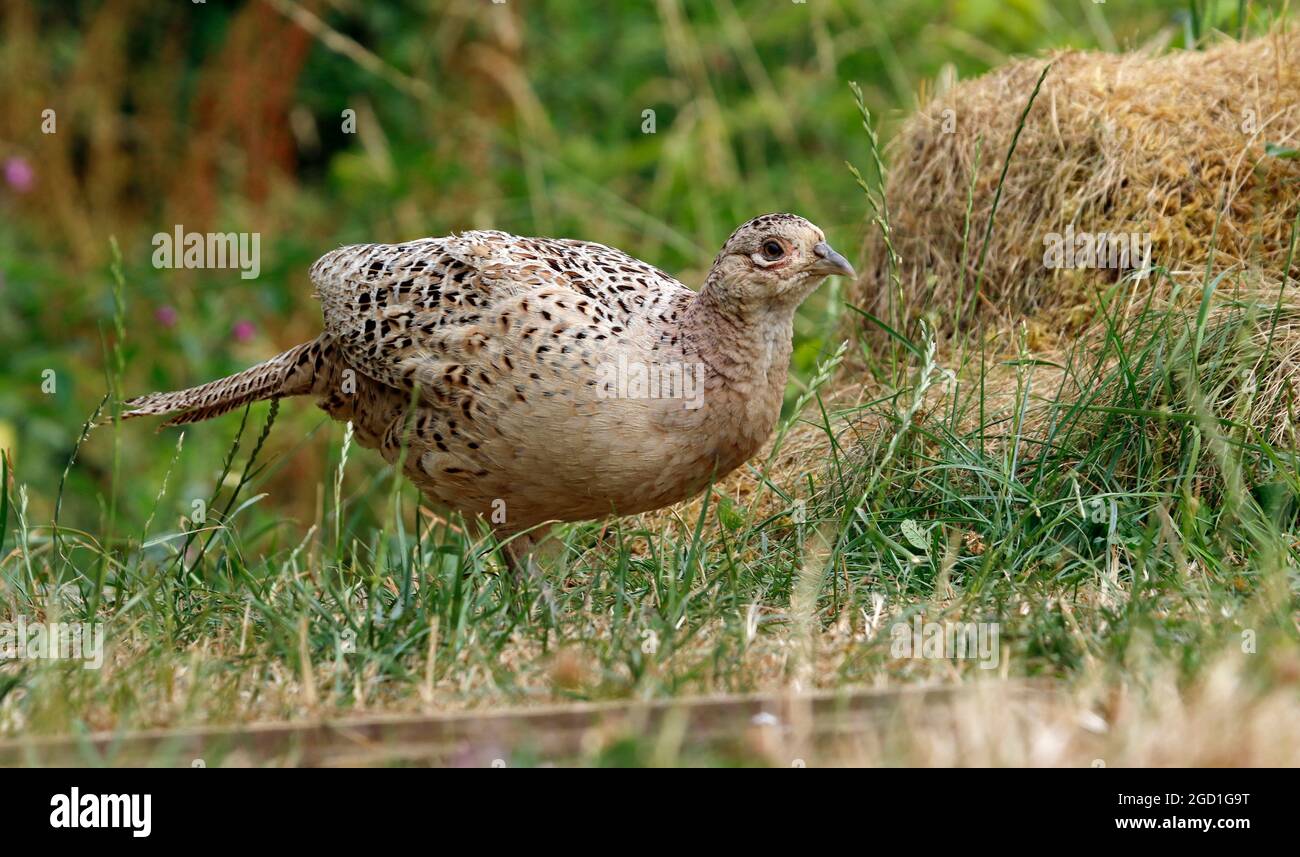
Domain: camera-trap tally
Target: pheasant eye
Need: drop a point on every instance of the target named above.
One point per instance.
(772, 250)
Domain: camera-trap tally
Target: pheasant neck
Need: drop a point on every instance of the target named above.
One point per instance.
(744, 344)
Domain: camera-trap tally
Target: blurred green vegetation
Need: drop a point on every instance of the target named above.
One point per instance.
(523, 116)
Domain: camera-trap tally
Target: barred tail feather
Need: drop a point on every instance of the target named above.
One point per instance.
(289, 374)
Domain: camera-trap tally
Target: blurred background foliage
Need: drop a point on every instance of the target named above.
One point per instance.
(527, 116)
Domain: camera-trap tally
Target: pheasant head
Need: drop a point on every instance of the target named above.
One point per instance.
(772, 263)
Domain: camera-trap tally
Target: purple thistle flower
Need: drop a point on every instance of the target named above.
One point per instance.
(19, 175)
(165, 315)
(243, 331)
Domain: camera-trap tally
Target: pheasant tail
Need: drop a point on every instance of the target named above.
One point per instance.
(293, 373)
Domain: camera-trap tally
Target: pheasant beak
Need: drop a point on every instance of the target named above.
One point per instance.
(829, 262)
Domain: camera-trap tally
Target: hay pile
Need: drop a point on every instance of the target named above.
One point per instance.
(1125, 144)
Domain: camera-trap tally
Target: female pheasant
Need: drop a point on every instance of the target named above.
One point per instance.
(526, 380)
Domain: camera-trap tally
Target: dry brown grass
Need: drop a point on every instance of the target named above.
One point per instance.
(1144, 719)
(1223, 720)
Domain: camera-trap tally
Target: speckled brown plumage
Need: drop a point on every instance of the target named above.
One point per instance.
(481, 361)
